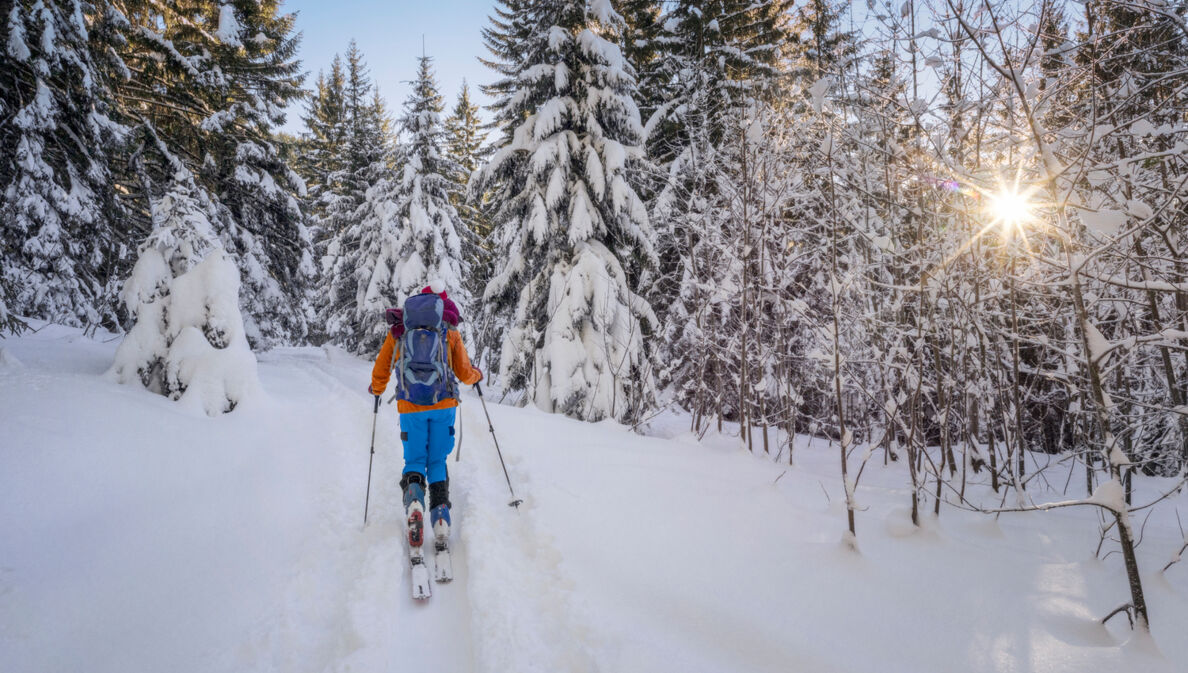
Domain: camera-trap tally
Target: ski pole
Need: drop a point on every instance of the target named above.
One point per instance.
(515, 501)
(374, 419)
(458, 452)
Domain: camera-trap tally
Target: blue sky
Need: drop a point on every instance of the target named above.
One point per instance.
(389, 34)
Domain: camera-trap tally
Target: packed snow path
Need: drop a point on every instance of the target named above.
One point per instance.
(138, 536)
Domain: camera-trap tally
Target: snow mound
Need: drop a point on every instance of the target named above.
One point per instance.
(189, 341)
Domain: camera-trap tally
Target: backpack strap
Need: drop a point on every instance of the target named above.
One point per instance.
(392, 362)
(398, 364)
(449, 361)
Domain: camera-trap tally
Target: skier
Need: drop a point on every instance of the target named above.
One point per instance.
(427, 403)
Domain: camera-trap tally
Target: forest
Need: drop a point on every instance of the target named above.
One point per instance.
(943, 233)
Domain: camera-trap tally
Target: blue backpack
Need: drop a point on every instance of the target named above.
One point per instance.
(424, 375)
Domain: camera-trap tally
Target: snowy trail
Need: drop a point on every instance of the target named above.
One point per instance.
(520, 595)
(348, 605)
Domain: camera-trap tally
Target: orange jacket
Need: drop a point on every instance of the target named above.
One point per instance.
(458, 359)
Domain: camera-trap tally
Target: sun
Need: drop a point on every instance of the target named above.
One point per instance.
(1011, 209)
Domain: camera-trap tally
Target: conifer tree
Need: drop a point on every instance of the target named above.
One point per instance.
(405, 234)
(210, 82)
(821, 47)
(572, 237)
(431, 230)
(465, 135)
(358, 226)
(465, 146)
(716, 62)
(324, 140)
(358, 267)
(465, 138)
(728, 50)
(642, 46)
(367, 140)
(61, 227)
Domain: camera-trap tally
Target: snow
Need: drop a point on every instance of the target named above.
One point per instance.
(139, 537)
(1105, 222)
(818, 91)
(189, 341)
(1142, 127)
(1139, 209)
(17, 48)
(1099, 346)
(7, 359)
(229, 28)
(1111, 495)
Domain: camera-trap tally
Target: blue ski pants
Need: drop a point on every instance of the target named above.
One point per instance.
(428, 438)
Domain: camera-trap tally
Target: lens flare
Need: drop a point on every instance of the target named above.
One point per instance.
(1011, 209)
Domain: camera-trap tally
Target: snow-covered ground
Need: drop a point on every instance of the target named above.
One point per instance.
(137, 535)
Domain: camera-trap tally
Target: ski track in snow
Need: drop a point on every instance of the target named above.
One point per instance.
(519, 594)
(353, 582)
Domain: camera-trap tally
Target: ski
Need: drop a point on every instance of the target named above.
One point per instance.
(416, 555)
(420, 577)
(443, 566)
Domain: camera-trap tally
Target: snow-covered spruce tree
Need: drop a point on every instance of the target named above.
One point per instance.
(323, 141)
(188, 341)
(367, 141)
(405, 235)
(465, 137)
(694, 239)
(513, 25)
(363, 180)
(61, 227)
(356, 268)
(9, 323)
(431, 230)
(728, 49)
(322, 164)
(209, 81)
(642, 48)
(572, 236)
(464, 146)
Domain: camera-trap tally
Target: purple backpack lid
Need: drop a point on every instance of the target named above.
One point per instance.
(395, 316)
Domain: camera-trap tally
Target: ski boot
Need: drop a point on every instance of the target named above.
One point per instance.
(439, 516)
(439, 519)
(414, 507)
